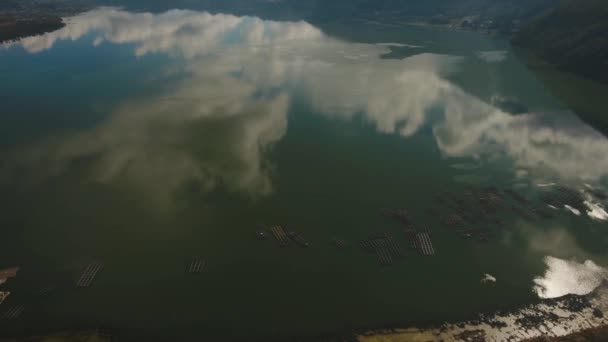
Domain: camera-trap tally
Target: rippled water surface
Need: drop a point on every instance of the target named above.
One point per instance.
(143, 140)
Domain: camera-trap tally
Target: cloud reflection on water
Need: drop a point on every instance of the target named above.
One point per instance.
(569, 277)
(242, 72)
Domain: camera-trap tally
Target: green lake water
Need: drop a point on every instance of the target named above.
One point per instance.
(141, 140)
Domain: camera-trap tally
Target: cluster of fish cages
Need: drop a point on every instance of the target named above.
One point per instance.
(464, 227)
(384, 246)
(287, 237)
(419, 241)
(471, 214)
(88, 275)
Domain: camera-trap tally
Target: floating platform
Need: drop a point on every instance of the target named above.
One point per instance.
(197, 265)
(13, 312)
(424, 243)
(88, 275)
(280, 235)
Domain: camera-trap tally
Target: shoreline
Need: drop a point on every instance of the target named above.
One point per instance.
(548, 320)
(27, 21)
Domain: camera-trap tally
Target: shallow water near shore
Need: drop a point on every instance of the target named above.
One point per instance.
(142, 140)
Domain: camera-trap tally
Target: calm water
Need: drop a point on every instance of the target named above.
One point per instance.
(142, 140)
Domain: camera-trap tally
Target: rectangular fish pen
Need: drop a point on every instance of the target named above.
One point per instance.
(197, 265)
(12, 312)
(280, 235)
(424, 243)
(88, 275)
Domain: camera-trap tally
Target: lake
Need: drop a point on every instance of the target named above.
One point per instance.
(141, 140)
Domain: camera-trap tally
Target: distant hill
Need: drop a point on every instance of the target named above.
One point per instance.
(570, 34)
(340, 9)
(573, 37)
(420, 8)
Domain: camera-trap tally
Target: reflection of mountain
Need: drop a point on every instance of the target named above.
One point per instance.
(231, 103)
(574, 37)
